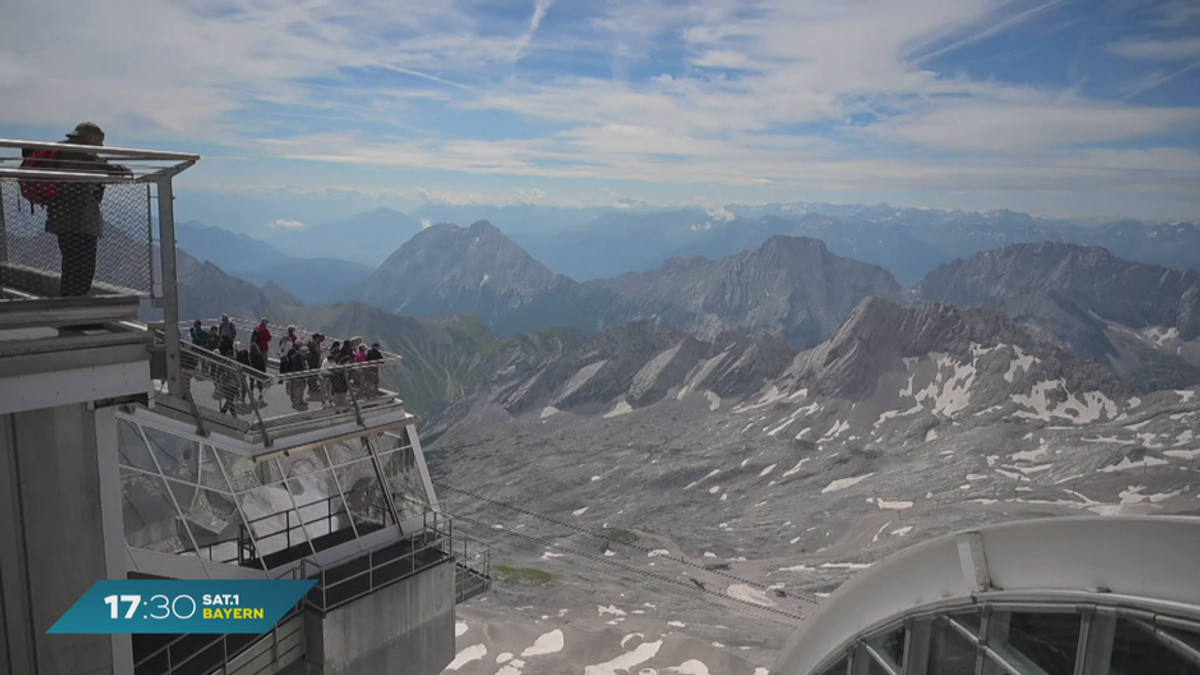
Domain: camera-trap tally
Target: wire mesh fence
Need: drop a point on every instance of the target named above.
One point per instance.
(75, 236)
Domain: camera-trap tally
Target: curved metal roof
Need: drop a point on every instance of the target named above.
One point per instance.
(1143, 563)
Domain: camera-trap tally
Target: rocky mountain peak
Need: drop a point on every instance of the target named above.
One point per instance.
(882, 337)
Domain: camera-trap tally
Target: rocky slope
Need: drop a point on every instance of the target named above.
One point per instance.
(1140, 320)
(908, 423)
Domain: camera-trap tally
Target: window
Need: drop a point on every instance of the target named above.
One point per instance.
(1137, 651)
(949, 652)
(1046, 640)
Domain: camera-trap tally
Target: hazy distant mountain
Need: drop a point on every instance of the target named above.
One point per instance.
(448, 269)
(281, 295)
(227, 250)
(908, 242)
(206, 292)
(618, 242)
(516, 220)
(317, 280)
(1142, 320)
(367, 238)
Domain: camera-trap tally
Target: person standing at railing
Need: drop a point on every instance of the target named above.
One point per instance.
(335, 380)
(261, 336)
(372, 374)
(198, 334)
(74, 214)
(314, 363)
(228, 333)
(296, 363)
(258, 361)
(288, 342)
(242, 356)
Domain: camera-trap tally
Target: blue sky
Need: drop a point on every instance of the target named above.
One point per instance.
(1056, 107)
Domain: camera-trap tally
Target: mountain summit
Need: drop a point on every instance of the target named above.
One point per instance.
(789, 285)
(446, 269)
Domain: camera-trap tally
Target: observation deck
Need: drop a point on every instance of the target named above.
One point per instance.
(162, 458)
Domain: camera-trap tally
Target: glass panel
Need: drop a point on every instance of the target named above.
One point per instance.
(321, 506)
(133, 449)
(1190, 639)
(1046, 640)
(211, 475)
(243, 472)
(341, 452)
(212, 519)
(949, 652)
(1137, 651)
(177, 456)
(272, 519)
(307, 461)
(990, 667)
(151, 521)
(838, 668)
(968, 619)
(891, 647)
(404, 482)
(364, 498)
(387, 442)
(873, 667)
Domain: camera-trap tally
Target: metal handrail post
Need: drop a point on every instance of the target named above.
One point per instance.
(170, 296)
(354, 398)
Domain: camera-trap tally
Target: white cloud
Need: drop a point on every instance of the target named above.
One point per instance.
(426, 223)
(285, 224)
(1157, 50)
(747, 68)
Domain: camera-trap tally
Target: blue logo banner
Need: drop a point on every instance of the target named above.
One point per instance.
(182, 606)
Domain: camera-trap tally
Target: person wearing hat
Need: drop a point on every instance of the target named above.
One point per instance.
(74, 216)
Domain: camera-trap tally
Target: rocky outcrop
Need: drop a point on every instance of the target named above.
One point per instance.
(880, 336)
(1086, 300)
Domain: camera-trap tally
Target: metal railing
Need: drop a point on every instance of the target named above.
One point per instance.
(193, 653)
(339, 583)
(363, 573)
(81, 225)
(251, 544)
(267, 401)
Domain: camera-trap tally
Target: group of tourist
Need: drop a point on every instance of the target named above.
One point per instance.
(340, 374)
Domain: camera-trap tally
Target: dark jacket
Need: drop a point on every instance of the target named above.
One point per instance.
(77, 208)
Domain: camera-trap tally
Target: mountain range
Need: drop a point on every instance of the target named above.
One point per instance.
(1141, 321)
(761, 424)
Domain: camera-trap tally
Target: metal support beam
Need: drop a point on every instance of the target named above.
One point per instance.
(1096, 635)
(974, 563)
(916, 647)
(3, 233)
(103, 151)
(860, 660)
(171, 337)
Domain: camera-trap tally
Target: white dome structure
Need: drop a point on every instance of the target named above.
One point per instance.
(1055, 596)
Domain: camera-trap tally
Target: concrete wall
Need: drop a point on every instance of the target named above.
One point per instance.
(58, 466)
(406, 628)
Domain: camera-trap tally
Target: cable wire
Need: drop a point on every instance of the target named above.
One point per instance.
(609, 538)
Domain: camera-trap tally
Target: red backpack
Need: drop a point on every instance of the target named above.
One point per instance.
(39, 192)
